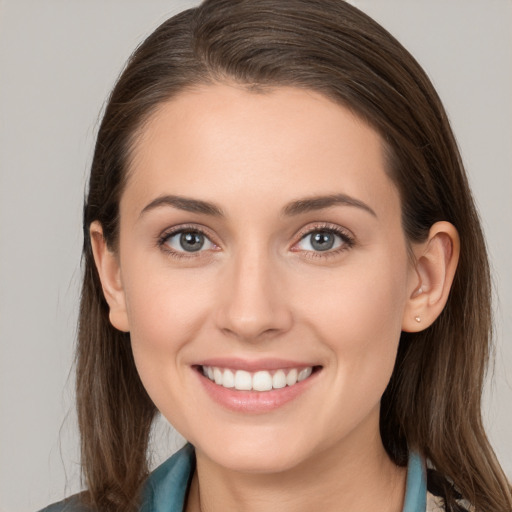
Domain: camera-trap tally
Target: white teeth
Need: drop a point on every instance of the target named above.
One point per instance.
(262, 381)
(304, 373)
(243, 380)
(291, 378)
(217, 376)
(228, 380)
(279, 380)
(258, 381)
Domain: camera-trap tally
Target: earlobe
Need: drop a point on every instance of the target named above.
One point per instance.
(109, 271)
(436, 263)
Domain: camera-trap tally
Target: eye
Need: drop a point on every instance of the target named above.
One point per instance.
(187, 241)
(324, 240)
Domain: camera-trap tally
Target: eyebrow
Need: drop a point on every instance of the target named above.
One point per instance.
(321, 202)
(297, 207)
(184, 203)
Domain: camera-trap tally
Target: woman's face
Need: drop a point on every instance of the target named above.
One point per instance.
(261, 240)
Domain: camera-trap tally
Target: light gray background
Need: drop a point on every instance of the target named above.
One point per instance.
(58, 61)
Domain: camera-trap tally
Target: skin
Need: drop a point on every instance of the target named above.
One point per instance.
(258, 289)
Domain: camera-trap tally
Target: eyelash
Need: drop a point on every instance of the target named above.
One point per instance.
(347, 239)
(162, 241)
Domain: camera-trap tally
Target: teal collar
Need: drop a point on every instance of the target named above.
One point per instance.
(166, 488)
(416, 490)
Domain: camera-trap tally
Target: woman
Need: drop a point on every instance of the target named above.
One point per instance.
(282, 256)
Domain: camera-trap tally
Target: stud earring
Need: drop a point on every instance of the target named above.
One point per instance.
(417, 318)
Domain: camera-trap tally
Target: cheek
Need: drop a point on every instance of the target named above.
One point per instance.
(164, 307)
(166, 314)
(363, 298)
(166, 311)
(359, 317)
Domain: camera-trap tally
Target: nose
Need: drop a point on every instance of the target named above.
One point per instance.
(253, 305)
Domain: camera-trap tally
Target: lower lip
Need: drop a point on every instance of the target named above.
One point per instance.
(255, 402)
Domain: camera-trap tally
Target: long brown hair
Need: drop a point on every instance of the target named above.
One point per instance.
(432, 403)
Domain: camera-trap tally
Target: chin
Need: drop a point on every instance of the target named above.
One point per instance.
(257, 462)
(256, 452)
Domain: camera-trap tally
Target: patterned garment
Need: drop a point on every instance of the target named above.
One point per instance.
(442, 496)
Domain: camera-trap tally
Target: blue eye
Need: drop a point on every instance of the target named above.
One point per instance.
(188, 241)
(322, 240)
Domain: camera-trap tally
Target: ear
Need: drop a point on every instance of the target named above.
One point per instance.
(436, 262)
(107, 264)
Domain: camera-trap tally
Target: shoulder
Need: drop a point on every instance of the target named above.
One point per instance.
(440, 491)
(165, 489)
(72, 504)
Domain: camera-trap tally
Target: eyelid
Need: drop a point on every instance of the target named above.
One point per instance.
(346, 235)
(199, 228)
(323, 225)
(176, 230)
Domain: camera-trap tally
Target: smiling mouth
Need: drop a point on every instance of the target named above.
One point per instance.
(262, 380)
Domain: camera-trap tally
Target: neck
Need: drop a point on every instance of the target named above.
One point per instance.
(339, 477)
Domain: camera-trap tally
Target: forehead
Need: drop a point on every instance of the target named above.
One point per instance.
(225, 142)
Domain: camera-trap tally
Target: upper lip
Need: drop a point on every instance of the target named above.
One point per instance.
(254, 365)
